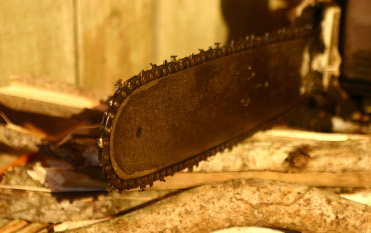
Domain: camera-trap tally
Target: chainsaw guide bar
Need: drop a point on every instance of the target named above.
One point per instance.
(179, 113)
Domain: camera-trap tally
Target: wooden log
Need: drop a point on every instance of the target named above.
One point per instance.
(287, 150)
(244, 203)
(54, 208)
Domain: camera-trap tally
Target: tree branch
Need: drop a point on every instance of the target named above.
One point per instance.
(251, 202)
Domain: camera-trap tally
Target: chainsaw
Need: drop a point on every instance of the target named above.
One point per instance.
(176, 114)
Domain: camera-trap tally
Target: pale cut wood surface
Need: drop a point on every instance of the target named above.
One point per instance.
(60, 100)
(37, 38)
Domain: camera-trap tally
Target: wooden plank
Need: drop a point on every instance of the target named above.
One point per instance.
(115, 41)
(37, 39)
(184, 26)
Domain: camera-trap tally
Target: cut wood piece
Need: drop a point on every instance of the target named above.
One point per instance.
(22, 91)
(363, 197)
(35, 110)
(35, 95)
(245, 203)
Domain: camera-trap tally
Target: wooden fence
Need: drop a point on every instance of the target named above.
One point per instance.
(94, 43)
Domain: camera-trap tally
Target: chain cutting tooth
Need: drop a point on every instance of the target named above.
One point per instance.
(123, 93)
(110, 101)
(164, 69)
(143, 77)
(111, 175)
(129, 184)
(118, 84)
(109, 187)
(173, 58)
(100, 143)
(117, 102)
(111, 114)
(162, 174)
(117, 182)
(104, 156)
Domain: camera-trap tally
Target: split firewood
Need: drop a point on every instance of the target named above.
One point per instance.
(35, 110)
(46, 97)
(251, 202)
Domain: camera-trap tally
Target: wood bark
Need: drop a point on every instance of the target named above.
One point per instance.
(244, 203)
(287, 150)
(44, 207)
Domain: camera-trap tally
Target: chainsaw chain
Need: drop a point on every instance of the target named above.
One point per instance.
(125, 89)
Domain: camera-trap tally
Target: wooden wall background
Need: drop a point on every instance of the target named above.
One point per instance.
(94, 43)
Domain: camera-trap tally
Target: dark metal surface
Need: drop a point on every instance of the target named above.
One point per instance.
(189, 112)
(177, 114)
